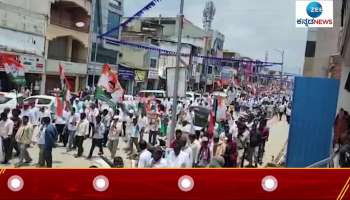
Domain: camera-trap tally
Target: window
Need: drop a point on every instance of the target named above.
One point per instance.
(41, 101)
(4, 100)
(210, 69)
(310, 49)
(44, 101)
(30, 100)
(153, 64)
(113, 21)
(115, 4)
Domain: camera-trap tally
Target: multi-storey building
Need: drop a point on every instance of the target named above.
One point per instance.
(67, 42)
(23, 25)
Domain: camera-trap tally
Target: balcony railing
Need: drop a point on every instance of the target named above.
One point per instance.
(67, 59)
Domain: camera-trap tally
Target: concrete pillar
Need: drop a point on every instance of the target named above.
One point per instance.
(76, 89)
(43, 76)
(69, 48)
(42, 84)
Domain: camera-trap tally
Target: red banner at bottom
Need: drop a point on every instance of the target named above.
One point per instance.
(175, 184)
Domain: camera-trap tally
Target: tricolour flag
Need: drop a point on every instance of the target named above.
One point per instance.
(65, 97)
(108, 86)
(14, 69)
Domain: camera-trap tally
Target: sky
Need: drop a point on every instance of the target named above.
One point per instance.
(251, 27)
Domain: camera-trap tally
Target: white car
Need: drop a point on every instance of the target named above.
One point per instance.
(10, 100)
(193, 95)
(41, 101)
(158, 94)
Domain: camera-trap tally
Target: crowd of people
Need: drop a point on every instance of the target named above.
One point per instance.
(341, 139)
(234, 136)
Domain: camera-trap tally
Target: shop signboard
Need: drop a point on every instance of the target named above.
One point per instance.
(22, 42)
(32, 64)
(140, 75)
(153, 74)
(125, 73)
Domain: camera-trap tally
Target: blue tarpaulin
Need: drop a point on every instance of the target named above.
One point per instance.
(313, 114)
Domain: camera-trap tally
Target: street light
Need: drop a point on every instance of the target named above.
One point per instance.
(176, 80)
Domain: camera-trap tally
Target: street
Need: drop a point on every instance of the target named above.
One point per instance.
(63, 159)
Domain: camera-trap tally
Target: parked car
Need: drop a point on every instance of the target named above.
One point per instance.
(10, 100)
(158, 94)
(41, 101)
(193, 95)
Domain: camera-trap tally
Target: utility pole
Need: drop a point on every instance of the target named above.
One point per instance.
(93, 36)
(208, 17)
(282, 52)
(178, 57)
(282, 70)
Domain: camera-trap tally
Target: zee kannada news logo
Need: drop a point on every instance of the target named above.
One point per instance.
(314, 11)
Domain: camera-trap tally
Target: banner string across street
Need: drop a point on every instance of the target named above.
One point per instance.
(139, 13)
(171, 53)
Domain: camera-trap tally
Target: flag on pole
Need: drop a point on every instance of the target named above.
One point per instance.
(59, 106)
(65, 97)
(108, 86)
(211, 124)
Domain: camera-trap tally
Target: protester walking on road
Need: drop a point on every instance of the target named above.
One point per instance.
(145, 156)
(24, 138)
(97, 137)
(6, 129)
(16, 124)
(72, 127)
(113, 136)
(50, 140)
(81, 133)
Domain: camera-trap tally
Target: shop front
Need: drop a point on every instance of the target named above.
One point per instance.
(140, 81)
(74, 72)
(126, 78)
(33, 67)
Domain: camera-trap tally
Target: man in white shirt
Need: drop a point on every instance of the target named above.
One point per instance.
(288, 113)
(113, 136)
(81, 133)
(60, 123)
(281, 110)
(27, 112)
(97, 136)
(188, 150)
(145, 156)
(195, 146)
(177, 158)
(72, 127)
(41, 143)
(134, 136)
(65, 133)
(157, 160)
(6, 128)
(143, 122)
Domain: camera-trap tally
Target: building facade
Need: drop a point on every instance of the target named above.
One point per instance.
(67, 43)
(322, 52)
(344, 53)
(141, 61)
(23, 26)
(107, 15)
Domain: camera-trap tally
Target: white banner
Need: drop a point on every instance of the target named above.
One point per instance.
(22, 42)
